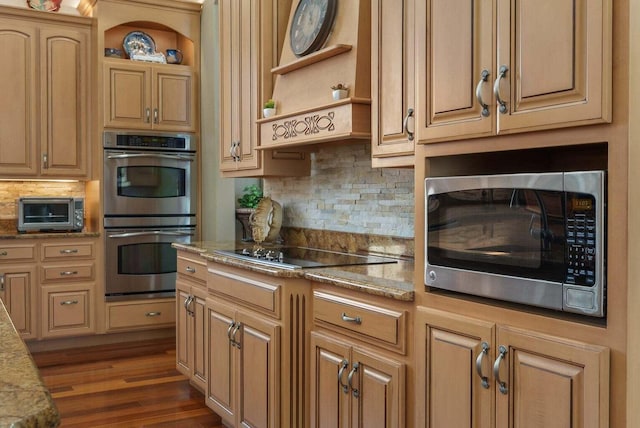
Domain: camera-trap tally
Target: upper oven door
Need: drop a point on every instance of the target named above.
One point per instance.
(149, 183)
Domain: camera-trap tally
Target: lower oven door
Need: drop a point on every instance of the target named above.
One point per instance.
(141, 263)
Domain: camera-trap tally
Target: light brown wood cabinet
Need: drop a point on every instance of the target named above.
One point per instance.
(357, 361)
(257, 339)
(46, 82)
(142, 96)
(506, 66)
(191, 320)
(67, 287)
(353, 386)
(18, 287)
(392, 83)
(479, 374)
(250, 42)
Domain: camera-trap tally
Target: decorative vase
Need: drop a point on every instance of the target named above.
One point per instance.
(339, 94)
(268, 112)
(243, 215)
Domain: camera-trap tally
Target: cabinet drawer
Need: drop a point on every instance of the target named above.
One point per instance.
(245, 288)
(67, 311)
(152, 314)
(359, 318)
(17, 252)
(67, 251)
(194, 269)
(75, 272)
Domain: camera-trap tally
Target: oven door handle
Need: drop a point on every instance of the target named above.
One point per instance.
(154, 232)
(189, 158)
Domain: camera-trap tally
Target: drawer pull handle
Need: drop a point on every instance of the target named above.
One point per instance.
(485, 351)
(496, 89)
(405, 124)
(485, 107)
(496, 370)
(69, 251)
(68, 302)
(356, 391)
(1, 282)
(234, 342)
(4, 253)
(153, 314)
(343, 366)
(347, 318)
(190, 269)
(68, 272)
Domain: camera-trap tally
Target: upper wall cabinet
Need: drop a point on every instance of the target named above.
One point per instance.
(251, 37)
(392, 83)
(143, 94)
(506, 66)
(45, 81)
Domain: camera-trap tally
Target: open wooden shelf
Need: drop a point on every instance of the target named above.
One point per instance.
(318, 56)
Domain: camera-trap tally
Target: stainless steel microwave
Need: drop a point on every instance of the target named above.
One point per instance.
(50, 213)
(534, 239)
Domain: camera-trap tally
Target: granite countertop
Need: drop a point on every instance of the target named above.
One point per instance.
(9, 230)
(24, 399)
(388, 280)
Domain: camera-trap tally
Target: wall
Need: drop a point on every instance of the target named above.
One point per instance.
(343, 193)
(12, 190)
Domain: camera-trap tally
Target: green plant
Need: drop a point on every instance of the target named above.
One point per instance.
(270, 104)
(252, 195)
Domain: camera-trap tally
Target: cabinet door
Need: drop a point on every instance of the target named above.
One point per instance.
(330, 394)
(184, 329)
(175, 104)
(449, 346)
(199, 318)
(377, 391)
(454, 47)
(17, 290)
(221, 371)
(127, 94)
(550, 382)
(64, 101)
(240, 46)
(558, 56)
(392, 81)
(18, 80)
(258, 342)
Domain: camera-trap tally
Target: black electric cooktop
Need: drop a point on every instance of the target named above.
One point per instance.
(302, 258)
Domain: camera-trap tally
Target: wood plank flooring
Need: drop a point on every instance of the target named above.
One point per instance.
(123, 385)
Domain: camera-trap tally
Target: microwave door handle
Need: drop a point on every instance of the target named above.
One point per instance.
(150, 155)
(155, 232)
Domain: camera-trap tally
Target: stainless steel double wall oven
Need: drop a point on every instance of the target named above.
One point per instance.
(149, 203)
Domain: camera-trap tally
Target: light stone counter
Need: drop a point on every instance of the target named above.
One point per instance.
(394, 280)
(24, 399)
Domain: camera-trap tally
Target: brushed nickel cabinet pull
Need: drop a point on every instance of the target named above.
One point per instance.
(496, 89)
(355, 391)
(45, 160)
(4, 253)
(355, 320)
(153, 314)
(343, 366)
(155, 115)
(69, 251)
(147, 115)
(485, 351)
(2, 282)
(190, 269)
(496, 370)
(405, 124)
(68, 302)
(234, 342)
(485, 107)
(69, 273)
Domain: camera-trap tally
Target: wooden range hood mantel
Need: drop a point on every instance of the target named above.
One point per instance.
(306, 111)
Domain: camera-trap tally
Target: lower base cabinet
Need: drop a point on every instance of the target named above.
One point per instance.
(18, 293)
(244, 386)
(141, 314)
(353, 386)
(480, 374)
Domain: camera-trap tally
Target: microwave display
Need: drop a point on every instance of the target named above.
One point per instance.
(533, 239)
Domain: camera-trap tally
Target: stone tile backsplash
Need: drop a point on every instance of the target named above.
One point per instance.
(12, 190)
(344, 193)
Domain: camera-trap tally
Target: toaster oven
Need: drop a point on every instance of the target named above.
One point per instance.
(50, 214)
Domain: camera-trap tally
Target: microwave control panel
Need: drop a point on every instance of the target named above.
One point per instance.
(581, 239)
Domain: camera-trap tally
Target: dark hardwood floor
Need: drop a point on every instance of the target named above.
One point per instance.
(123, 385)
